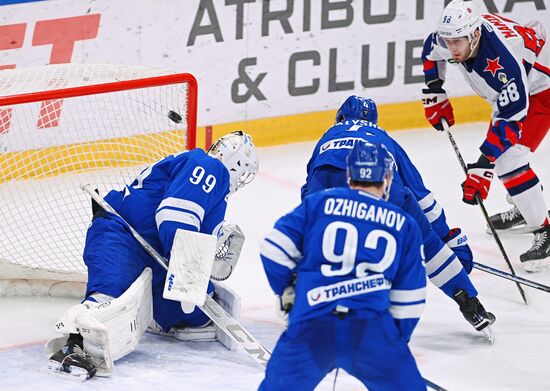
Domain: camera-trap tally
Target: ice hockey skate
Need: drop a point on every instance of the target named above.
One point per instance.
(71, 360)
(474, 312)
(537, 257)
(510, 221)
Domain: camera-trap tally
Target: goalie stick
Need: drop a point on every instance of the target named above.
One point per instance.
(482, 206)
(213, 310)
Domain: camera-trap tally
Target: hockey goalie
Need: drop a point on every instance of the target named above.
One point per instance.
(178, 206)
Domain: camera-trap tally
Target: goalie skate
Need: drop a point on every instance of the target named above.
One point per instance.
(73, 362)
(537, 257)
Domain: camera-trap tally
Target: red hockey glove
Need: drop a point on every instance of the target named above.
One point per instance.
(478, 182)
(437, 107)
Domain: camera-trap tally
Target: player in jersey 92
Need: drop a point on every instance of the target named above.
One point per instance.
(448, 256)
(508, 64)
(186, 191)
(360, 282)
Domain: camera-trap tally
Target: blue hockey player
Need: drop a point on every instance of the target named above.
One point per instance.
(186, 191)
(448, 256)
(360, 282)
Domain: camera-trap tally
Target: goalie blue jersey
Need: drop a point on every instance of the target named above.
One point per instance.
(184, 191)
(348, 248)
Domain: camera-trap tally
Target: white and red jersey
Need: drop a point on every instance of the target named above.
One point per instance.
(513, 63)
(509, 55)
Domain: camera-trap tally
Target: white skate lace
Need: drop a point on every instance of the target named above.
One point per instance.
(540, 239)
(76, 352)
(510, 214)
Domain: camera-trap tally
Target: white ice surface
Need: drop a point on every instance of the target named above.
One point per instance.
(447, 350)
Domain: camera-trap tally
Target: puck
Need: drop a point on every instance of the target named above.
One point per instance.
(174, 116)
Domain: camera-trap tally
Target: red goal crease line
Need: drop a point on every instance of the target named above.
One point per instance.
(23, 345)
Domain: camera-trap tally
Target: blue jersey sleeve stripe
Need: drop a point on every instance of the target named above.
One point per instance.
(408, 303)
(447, 273)
(438, 259)
(407, 296)
(406, 312)
(427, 201)
(284, 242)
(274, 254)
(187, 218)
(434, 214)
(183, 204)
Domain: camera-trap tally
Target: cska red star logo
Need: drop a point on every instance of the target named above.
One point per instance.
(493, 66)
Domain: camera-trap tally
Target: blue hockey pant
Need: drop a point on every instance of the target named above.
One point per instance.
(370, 349)
(115, 260)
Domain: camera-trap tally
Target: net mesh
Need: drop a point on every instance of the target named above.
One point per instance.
(49, 147)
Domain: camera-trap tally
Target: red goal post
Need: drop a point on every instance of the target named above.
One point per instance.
(69, 124)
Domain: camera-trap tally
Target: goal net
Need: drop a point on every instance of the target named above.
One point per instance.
(65, 125)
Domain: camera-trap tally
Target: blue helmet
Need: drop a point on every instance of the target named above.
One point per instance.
(369, 162)
(356, 107)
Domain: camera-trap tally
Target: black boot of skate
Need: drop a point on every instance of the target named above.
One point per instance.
(507, 220)
(473, 310)
(538, 256)
(72, 359)
(511, 221)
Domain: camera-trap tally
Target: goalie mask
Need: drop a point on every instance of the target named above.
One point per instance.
(238, 154)
(370, 164)
(356, 107)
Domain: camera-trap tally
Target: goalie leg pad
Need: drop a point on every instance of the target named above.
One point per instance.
(196, 334)
(206, 333)
(231, 302)
(111, 329)
(197, 325)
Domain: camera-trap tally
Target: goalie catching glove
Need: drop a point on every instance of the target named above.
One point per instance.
(437, 107)
(229, 246)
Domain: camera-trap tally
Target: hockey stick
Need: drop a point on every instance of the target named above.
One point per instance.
(213, 310)
(511, 277)
(434, 386)
(483, 210)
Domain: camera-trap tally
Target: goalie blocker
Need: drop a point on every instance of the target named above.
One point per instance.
(102, 332)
